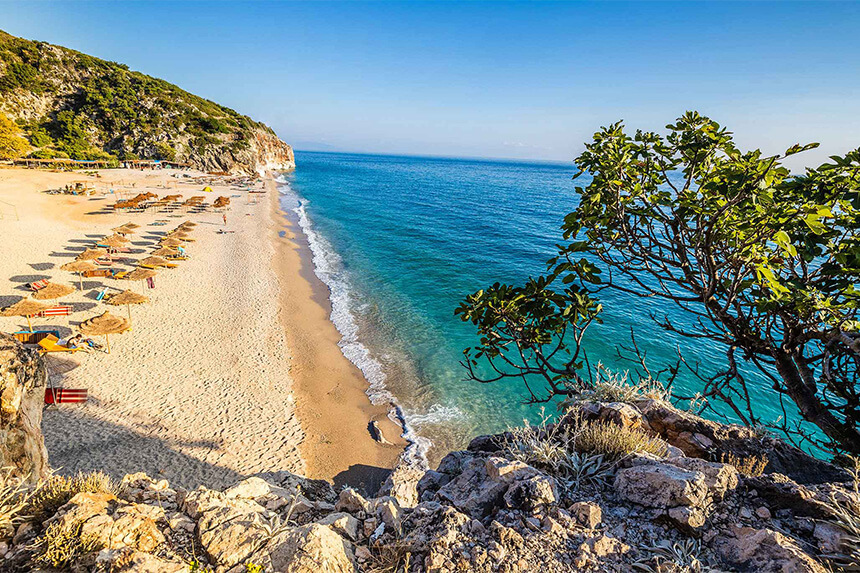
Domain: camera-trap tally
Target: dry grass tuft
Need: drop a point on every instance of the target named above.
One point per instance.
(389, 558)
(846, 516)
(615, 442)
(57, 490)
(14, 497)
(60, 546)
(751, 466)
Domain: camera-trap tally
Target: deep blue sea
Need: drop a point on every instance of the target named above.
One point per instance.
(400, 241)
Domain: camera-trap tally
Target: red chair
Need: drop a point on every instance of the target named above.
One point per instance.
(65, 395)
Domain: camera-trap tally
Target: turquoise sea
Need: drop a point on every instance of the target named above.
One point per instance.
(401, 240)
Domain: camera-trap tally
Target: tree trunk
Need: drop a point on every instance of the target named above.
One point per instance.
(848, 438)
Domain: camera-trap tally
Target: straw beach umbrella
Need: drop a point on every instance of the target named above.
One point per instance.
(92, 253)
(170, 242)
(140, 274)
(53, 291)
(127, 298)
(105, 325)
(131, 225)
(154, 261)
(188, 224)
(165, 252)
(114, 241)
(123, 230)
(79, 267)
(26, 307)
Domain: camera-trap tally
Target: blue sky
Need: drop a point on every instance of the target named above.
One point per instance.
(520, 80)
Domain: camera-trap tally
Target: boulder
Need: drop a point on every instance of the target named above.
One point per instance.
(719, 478)
(507, 471)
(352, 501)
(532, 494)
(586, 513)
(125, 561)
(763, 551)
(23, 375)
(311, 548)
(661, 485)
(231, 529)
(473, 492)
(116, 523)
(402, 484)
(343, 523)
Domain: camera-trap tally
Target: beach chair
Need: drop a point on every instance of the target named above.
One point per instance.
(101, 294)
(38, 285)
(27, 337)
(65, 395)
(97, 273)
(50, 343)
(120, 274)
(56, 311)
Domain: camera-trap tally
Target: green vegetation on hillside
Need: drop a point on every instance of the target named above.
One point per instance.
(12, 145)
(100, 109)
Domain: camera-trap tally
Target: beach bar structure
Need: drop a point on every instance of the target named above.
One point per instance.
(57, 163)
(153, 164)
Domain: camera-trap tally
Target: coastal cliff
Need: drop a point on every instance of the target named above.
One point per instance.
(532, 499)
(71, 105)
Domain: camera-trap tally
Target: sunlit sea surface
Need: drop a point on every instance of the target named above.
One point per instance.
(400, 241)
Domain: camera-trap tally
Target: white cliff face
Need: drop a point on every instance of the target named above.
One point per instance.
(272, 153)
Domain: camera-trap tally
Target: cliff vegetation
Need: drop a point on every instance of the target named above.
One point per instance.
(72, 105)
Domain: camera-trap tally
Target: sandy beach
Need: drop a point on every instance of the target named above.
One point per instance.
(231, 369)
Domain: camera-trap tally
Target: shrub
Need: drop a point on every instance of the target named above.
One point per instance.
(12, 145)
(615, 442)
(846, 516)
(56, 491)
(752, 466)
(61, 545)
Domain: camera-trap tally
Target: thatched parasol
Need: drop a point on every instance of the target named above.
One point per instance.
(177, 235)
(188, 224)
(105, 325)
(26, 307)
(165, 252)
(79, 267)
(154, 262)
(172, 197)
(114, 241)
(131, 225)
(128, 298)
(53, 291)
(170, 242)
(123, 230)
(221, 202)
(91, 254)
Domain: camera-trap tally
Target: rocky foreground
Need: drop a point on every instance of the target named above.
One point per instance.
(520, 501)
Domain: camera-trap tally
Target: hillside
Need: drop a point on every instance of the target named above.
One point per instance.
(69, 104)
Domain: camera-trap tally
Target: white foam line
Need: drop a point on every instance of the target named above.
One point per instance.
(328, 266)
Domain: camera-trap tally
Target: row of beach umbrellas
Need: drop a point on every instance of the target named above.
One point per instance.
(106, 323)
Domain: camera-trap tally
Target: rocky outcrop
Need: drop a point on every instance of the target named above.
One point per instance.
(22, 384)
(68, 102)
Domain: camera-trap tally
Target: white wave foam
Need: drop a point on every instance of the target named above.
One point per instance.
(328, 266)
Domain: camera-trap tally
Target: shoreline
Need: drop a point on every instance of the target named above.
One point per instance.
(333, 407)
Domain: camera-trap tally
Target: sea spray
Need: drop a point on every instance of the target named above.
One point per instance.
(329, 268)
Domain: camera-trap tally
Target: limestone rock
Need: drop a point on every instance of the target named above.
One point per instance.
(764, 551)
(504, 470)
(311, 548)
(472, 492)
(343, 523)
(402, 484)
(124, 561)
(352, 501)
(586, 513)
(22, 385)
(661, 485)
(532, 494)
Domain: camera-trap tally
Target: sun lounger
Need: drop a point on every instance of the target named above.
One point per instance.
(38, 285)
(65, 395)
(56, 311)
(51, 344)
(103, 262)
(27, 337)
(101, 294)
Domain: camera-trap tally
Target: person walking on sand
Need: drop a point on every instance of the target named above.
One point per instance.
(224, 215)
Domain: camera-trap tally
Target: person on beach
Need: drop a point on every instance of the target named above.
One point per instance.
(224, 215)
